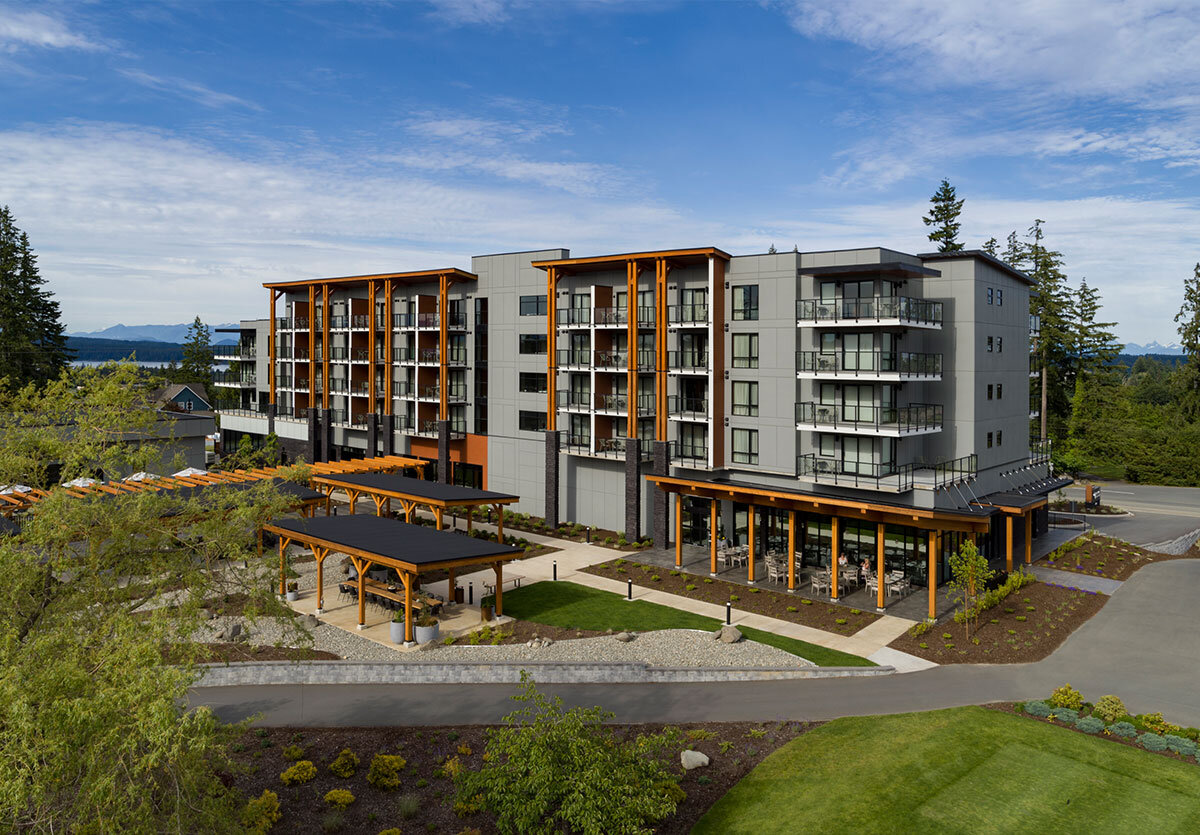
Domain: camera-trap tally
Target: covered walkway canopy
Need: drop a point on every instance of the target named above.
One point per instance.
(415, 492)
(374, 540)
(1014, 505)
(972, 521)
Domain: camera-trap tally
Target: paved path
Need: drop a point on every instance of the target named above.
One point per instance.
(1073, 579)
(1141, 647)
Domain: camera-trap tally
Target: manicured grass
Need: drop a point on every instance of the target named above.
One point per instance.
(961, 770)
(570, 605)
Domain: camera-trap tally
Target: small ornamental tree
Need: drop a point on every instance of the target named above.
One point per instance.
(551, 770)
(969, 575)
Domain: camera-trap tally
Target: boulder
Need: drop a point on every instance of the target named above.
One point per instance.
(624, 637)
(690, 759)
(233, 631)
(310, 622)
(730, 635)
(717, 633)
(220, 636)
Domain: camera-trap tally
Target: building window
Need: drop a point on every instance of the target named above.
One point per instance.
(989, 438)
(1000, 298)
(999, 344)
(999, 437)
(745, 399)
(745, 302)
(745, 350)
(991, 294)
(534, 343)
(532, 383)
(999, 391)
(989, 390)
(536, 422)
(533, 305)
(990, 344)
(745, 446)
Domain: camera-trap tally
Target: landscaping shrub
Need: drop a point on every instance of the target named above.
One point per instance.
(1064, 714)
(919, 629)
(339, 798)
(1066, 696)
(333, 821)
(345, 764)
(1122, 729)
(407, 806)
(301, 772)
(1152, 742)
(261, 813)
(1180, 745)
(384, 773)
(1109, 708)
(1089, 724)
(1155, 722)
(293, 753)
(1037, 708)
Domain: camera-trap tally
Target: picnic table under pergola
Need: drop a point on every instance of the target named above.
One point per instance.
(388, 543)
(412, 493)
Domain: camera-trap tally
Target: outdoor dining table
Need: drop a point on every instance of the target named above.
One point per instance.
(382, 589)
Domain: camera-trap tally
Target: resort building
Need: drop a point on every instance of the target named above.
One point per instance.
(850, 406)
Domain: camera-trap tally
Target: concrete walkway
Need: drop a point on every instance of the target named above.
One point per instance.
(1141, 646)
(1073, 579)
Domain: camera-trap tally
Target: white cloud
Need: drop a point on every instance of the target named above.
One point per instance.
(34, 29)
(1091, 47)
(195, 91)
(469, 12)
(478, 131)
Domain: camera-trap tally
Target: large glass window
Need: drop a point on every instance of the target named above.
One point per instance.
(532, 343)
(745, 398)
(532, 382)
(745, 302)
(531, 421)
(745, 446)
(745, 350)
(533, 305)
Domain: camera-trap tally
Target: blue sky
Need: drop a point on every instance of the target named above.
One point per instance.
(166, 159)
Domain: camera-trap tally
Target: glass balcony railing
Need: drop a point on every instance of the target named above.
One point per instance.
(360, 321)
(300, 323)
(574, 357)
(403, 320)
(234, 352)
(573, 316)
(693, 361)
(688, 452)
(428, 320)
(870, 475)
(879, 308)
(869, 363)
(339, 323)
(401, 388)
(428, 356)
(234, 378)
(687, 407)
(687, 314)
(573, 399)
(917, 417)
(401, 354)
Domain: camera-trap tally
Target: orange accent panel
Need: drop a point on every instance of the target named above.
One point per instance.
(443, 343)
(387, 346)
(472, 450)
(371, 351)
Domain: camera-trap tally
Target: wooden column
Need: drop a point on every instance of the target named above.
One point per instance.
(1008, 554)
(353, 497)
(500, 523)
(712, 537)
(499, 569)
(389, 291)
(678, 530)
(750, 562)
(282, 565)
(443, 346)
(371, 453)
(407, 579)
(932, 575)
(1029, 538)
(879, 539)
(837, 552)
(325, 353)
(791, 546)
(361, 567)
(312, 345)
(437, 515)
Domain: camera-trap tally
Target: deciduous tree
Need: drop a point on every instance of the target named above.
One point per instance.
(969, 576)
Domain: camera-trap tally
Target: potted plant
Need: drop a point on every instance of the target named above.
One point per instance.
(397, 628)
(486, 604)
(426, 628)
(293, 590)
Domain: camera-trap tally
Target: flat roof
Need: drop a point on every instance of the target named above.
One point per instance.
(982, 256)
(414, 546)
(414, 277)
(1013, 501)
(888, 268)
(600, 262)
(419, 488)
(288, 488)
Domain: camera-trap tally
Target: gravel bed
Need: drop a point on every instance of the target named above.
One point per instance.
(348, 645)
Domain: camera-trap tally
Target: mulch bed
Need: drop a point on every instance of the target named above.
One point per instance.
(733, 749)
(1011, 707)
(231, 653)
(807, 612)
(1029, 625)
(1064, 506)
(1102, 556)
(521, 631)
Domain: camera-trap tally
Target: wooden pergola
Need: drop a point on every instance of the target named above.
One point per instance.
(412, 493)
(390, 543)
(937, 522)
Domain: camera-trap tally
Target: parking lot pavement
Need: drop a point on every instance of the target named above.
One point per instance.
(1157, 513)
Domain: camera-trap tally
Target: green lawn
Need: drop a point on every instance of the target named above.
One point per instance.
(965, 770)
(580, 607)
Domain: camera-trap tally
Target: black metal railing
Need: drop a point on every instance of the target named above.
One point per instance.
(339, 385)
(580, 357)
(339, 322)
(234, 378)
(956, 471)
(283, 323)
(870, 363)
(879, 308)
(402, 388)
(456, 321)
(234, 351)
(300, 323)
(871, 475)
(360, 321)
(1039, 451)
(612, 315)
(573, 399)
(403, 354)
(338, 352)
(695, 453)
(573, 316)
(428, 355)
(427, 320)
(402, 320)
(913, 418)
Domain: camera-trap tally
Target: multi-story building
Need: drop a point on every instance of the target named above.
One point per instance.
(854, 401)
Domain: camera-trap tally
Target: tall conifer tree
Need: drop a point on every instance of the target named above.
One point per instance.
(33, 346)
(944, 218)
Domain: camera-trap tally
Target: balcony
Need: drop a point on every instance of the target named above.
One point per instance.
(234, 352)
(456, 321)
(612, 360)
(687, 408)
(428, 356)
(339, 323)
(868, 365)
(688, 454)
(403, 389)
(301, 384)
(401, 321)
(945, 473)
(360, 322)
(404, 355)
(611, 447)
(300, 323)
(283, 381)
(687, 316)
(360, 389)
(1035, 326)
(577, 445)
(573, 317)
(338, 353)
(428, 320)
(574, 358)
(893, 311)
(457, 358)
(884, 421)
(456, 394)
(864, 475)
(687, 362)
(360, 355)
(430, 393)
(339, 386)
(234, 379)
(618, 404)
(337, 416)
(574, 401)
(283, 323)
(1039, 451)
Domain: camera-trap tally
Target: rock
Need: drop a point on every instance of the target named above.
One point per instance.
(220, 636)
(233, 631)
(730, 635)
(717, 633)
(310, 621)
(206, 614)
(624, 637)
(692, 759)
(547, 642)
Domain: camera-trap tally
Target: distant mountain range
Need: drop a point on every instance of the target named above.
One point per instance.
(176, 334)
(1172, 349)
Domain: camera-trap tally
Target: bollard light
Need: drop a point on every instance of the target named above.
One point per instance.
(629, 590)
(555, 567)
(471, 592)
(728, 613)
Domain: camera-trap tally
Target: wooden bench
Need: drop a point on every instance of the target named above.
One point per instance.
(514, 581)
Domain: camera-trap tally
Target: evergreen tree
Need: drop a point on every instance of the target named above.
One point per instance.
(197, 354)
(1015, 253)
(944, 218)
(992, 247)
(1188, 321)
(1054, 350)
(33, 347)
(1092, 427)
(1096, 346)
(771, 249)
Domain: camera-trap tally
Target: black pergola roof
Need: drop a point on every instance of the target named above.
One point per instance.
(418, 488)
(394, 541)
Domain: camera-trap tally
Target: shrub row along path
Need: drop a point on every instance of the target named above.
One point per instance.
(1141, 647)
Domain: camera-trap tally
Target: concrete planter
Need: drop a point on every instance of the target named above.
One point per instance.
(293, 595)
(425, 634)
(397, 630)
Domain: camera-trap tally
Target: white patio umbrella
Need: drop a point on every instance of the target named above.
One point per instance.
(9, 489)
(189, 471)
(80, 482)
(142, 476)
